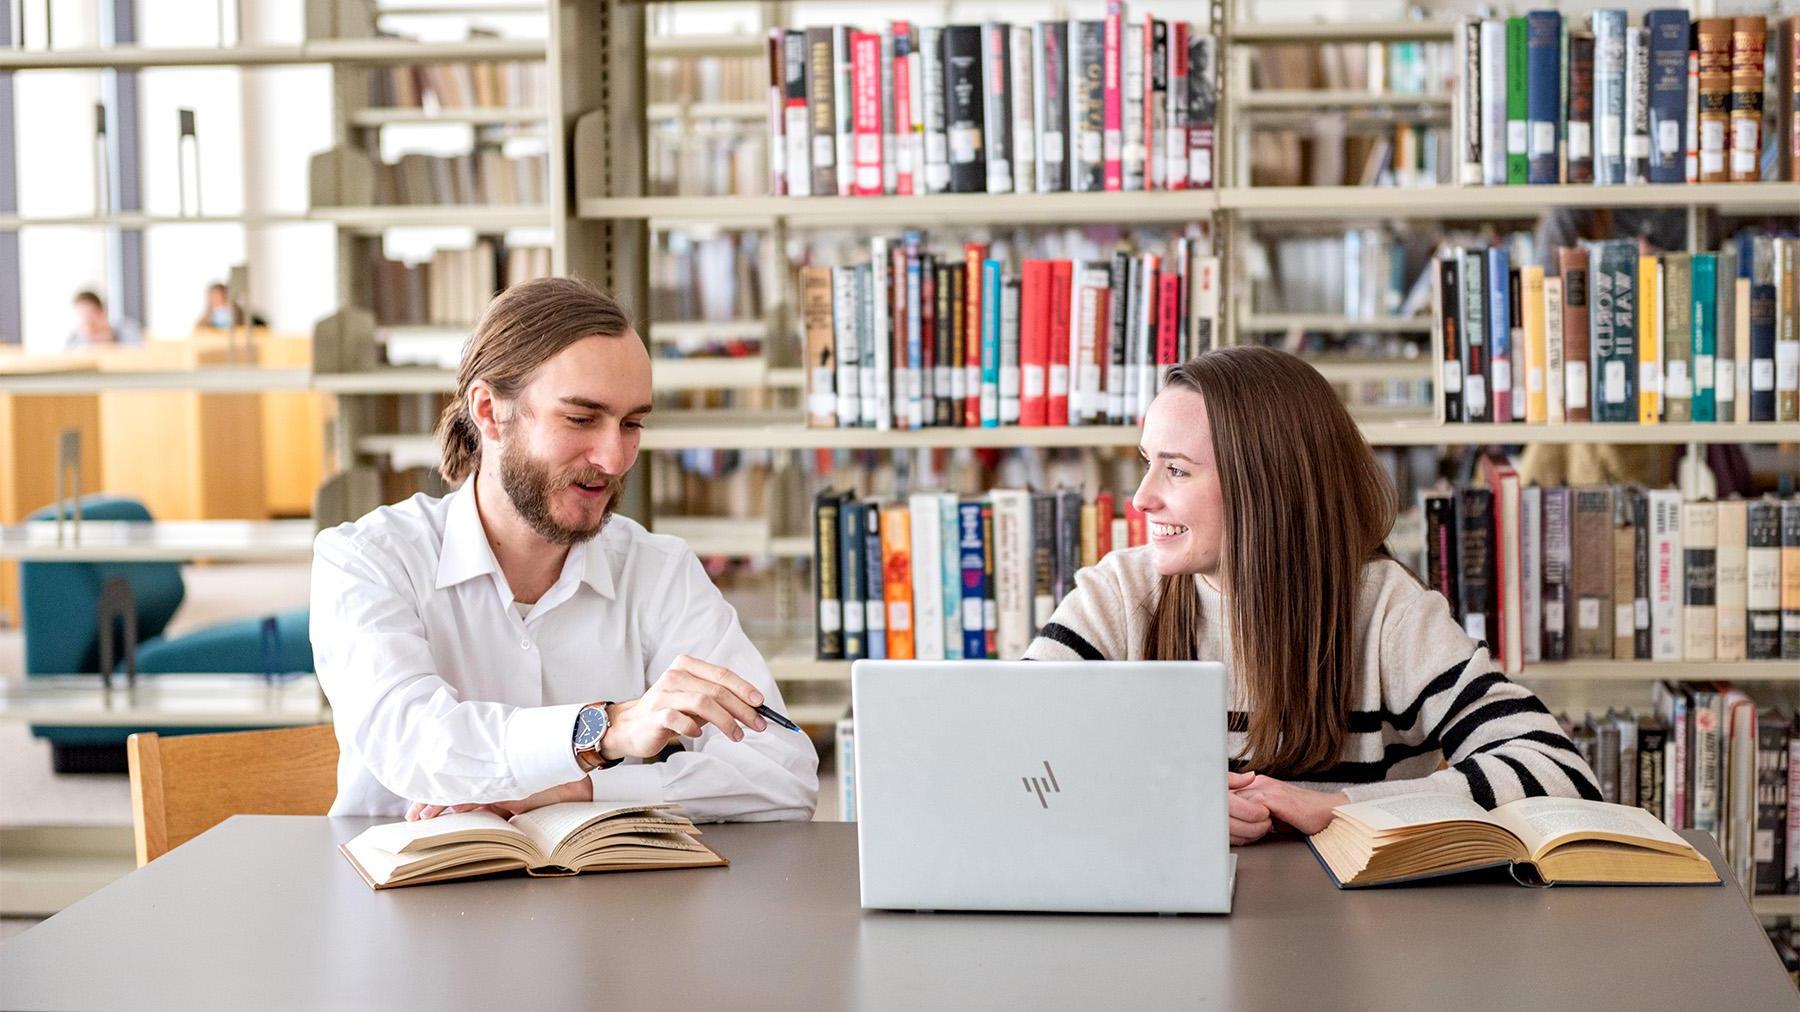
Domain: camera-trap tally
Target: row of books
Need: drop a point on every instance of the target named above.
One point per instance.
(941, 576)
(1706, 758)
(453, 287)
(912, 338)
(1360, 273)
(445, 87)
(1609, 334)
(1673, 100)
(706, 277)
(486, 176)
(1549, 574)
(1109, 104)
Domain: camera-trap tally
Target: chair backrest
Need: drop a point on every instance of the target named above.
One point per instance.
(184, 785)
(60, 600)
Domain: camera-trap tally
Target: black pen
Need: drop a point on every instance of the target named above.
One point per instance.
(778, 718)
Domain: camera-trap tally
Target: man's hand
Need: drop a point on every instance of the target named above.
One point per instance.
(688, 696)
(1305, 810)
(574, 790)
(1249, 817)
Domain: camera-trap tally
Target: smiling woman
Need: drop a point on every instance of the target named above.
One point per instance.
(1268, 519)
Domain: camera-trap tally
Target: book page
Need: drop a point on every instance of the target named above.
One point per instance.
(1542, 823)
(550, 826)
(1408, 810)
(457, 827)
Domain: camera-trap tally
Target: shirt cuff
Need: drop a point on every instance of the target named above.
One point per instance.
(629, 783)
(540, 749)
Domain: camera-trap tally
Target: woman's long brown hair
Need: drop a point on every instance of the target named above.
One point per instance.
(1306, 507)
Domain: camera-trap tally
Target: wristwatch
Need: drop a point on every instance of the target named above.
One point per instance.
(590, 726)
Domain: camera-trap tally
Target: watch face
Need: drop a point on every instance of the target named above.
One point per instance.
(590, 724)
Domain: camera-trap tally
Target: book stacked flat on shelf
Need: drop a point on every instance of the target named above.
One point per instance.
(1705, 757)
(1603, 332)
(1118, 103)
(1544, 99)
(1543, 841)
(1560, 573)
(484, 176)
(556, 840)
(914, 338)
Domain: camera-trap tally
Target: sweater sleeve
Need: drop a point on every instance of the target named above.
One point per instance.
(1443, 692)
(1089, 625)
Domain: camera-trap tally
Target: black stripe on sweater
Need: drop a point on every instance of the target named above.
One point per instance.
(1553, 739)
(1442, 683)
(1479, 788)
(1373, 771)
(1056, 632)
(1470, 694)
(1533, 789)
(1500, 708)
(1583, 785)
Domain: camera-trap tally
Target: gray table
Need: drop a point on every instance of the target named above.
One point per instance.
(262, 912)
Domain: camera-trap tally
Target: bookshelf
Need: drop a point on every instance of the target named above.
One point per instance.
(799, 665)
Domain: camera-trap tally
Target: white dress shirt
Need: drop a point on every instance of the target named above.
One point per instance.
(441, 693)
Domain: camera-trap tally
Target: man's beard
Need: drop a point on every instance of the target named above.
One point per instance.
(532, 488)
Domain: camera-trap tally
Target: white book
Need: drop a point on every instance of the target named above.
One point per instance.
(1024, 133)
(1133, 154)
(891, 388)
(1121, 533)
(842, 107)
(1493, 102)
(1009, 352)
(1096, 279)
(1731, 587)
(1554, 380)
(1699, 546)
(846, 343)
(1531, 573)
(950, 572)
(878, 371)
(1012, 571)
(890, 134)
(1665, 575)
(914, 130)
(928, 586)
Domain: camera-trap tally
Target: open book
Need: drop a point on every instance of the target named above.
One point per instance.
(564, 839)
(1542, 840)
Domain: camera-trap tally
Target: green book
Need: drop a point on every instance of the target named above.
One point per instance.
(1706, 324)
(1517, 160)
(1678, 341)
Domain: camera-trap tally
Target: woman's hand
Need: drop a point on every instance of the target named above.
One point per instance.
(1304, 810)
(1249, 817)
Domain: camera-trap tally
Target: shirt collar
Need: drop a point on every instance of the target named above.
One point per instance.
(466, 553)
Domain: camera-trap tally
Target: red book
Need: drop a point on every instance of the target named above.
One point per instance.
(1175, 123)
(1135, 526)
(973, 254)
(903, 103)
(1062, 276)
(865, 86)
(1168, 322)
(1034, 342)
(1103, 514)
(1113, 123)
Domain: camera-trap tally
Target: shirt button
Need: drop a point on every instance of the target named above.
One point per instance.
(524, 644)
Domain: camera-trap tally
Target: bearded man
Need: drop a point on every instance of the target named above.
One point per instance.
(515, 644)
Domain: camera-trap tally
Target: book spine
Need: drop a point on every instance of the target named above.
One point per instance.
(874, 583)
(1176, 118)
(1786, 282)
(1649, 339)
(1536, 348)
(776, 52)
(1677, 337)
(1447, 336)
(1591, 574)
(937, 143)
(816, 315)
(1704, 333)
(1498, 289)
(1087, 104)
(846, 337)
(1043, 559)
(1714, 99)
(897, 580)
(1156, 103)
(1612, 312)
(927, 530)
(1068, 540)
(1731, 587)
(1761, 305)
(1441, 546)
(1530, 602)
(1637, 105)
(890, 126)
(795, 122)
(1112, 97)
(1009, 351)
(1747, 37)
(1012, 572)
(1060, 304)
(950, 614)
(1132, 93)
(1517, 88)
(921, 350)
(1704, 754)
(1554, 645)
(996, 78)
(1493, 103)
(1475, 562)
(851, 583)
(908, 173)
(990, 613)
(1606, 759)
(1468, 133)
(1624, 577)
(1790, 580)
(974, 577)
(1609, 97)
(1024, 127)
(1579, 143)
(1573, 262)
(1543, 91)
(821, 93)
(866, 93)
(1034, 342)
(827, 595)
(973, 255)
(1793, 99)
(1691, 128)
(964, 108)
(1203, 105)
(1644, 576)
(1051, 91)
(990, 343)
(1555, 363)
(1772, 799)
(1652, 768)
(1668, 32)
(1474, 332)
(1699, 567)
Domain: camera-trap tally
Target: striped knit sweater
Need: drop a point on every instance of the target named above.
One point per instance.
(1426, 693)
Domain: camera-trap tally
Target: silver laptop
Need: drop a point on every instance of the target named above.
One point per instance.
(1026, 785)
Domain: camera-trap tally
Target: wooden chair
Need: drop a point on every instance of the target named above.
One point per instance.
(184, 785)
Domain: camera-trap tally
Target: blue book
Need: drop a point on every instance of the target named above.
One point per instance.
(1612, 319)
(990, 343)
(874, 582)
(950, 571)
(1668, 31)
(1543, 94)
(1499, 324)
(1609, 97)
(973, 545)
(1706, 342)
(853, 590)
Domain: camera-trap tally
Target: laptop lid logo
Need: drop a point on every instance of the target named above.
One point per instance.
(1038, 785)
